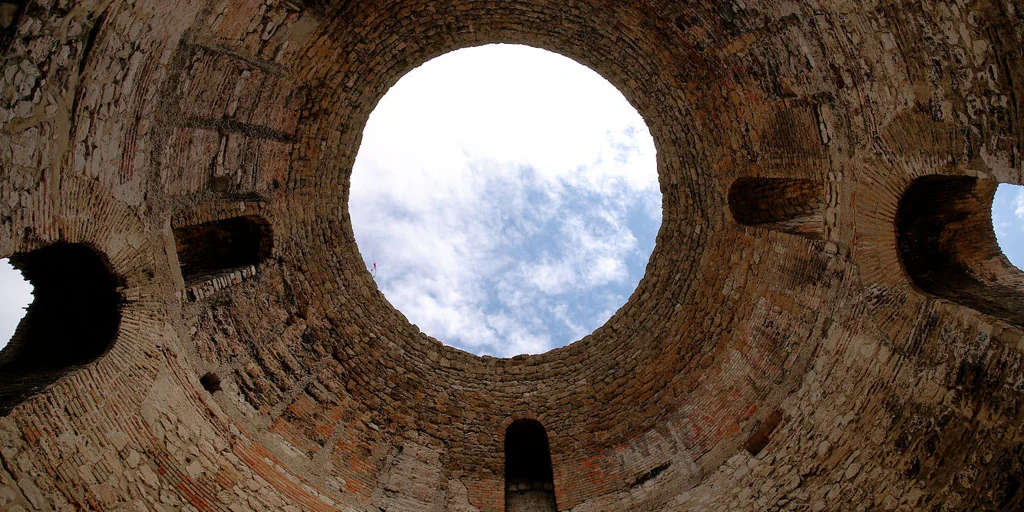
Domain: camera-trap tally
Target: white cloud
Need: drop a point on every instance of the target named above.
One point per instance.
(497, 189)
(1018, 202)
(15, 296)
(607, 269)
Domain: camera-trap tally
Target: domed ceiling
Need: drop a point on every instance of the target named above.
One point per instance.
(825, 322)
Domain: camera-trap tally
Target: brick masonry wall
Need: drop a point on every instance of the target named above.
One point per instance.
(123, 119)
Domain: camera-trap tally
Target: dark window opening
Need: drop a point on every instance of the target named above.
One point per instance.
(791, 205)
(948, 246)
(72, 321)
(529, 479)
(212, 248)
(650, 475)
(760, 438)
(210, 382)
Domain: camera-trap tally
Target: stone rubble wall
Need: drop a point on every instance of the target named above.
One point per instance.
(122, 119)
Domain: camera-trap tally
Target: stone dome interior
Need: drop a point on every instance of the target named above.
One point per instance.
(826, 321)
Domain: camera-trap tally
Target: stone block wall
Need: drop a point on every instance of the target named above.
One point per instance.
(121, 120)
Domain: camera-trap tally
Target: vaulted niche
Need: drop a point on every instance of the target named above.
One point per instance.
(211, 248)
(72, 321)
(529, 480)
(948, 247)
(792, 205)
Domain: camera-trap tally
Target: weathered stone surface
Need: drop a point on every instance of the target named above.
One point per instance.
(123, 120)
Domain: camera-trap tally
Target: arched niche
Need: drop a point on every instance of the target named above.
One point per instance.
(72, 321)
(212, 248)
(791, 205)
(948, 248)
(529, 479)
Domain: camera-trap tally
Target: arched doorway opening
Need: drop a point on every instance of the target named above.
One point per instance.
(529, 479)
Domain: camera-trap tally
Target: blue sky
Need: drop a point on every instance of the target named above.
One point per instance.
(509, 197)
(1008, 221)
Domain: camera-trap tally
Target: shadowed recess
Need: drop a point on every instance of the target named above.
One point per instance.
(948, 247)
(72, 321)
(791, 205)
(212, 248)
(529, 479)
(763, 435)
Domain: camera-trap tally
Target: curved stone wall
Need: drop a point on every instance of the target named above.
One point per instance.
(757, 366)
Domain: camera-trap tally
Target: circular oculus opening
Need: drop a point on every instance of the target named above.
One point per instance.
(505, 199)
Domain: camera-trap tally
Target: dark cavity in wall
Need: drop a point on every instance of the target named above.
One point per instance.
(948, 247)
(760, 438)
(650, 475)
(212, 248)
(72, 321)
(210, 382)
(90, 42)
(10, 15)
(791, 205)
(529, 479)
